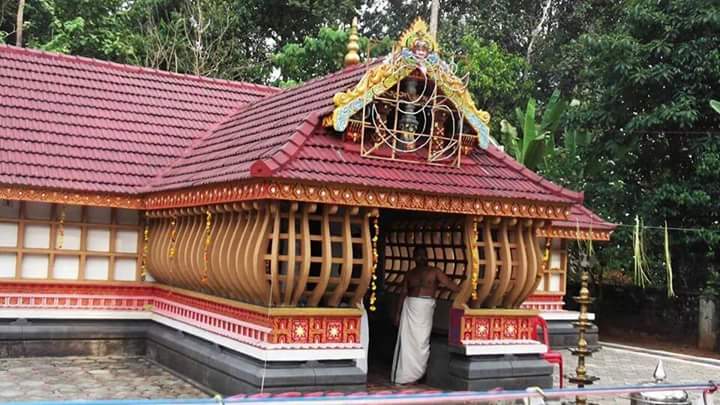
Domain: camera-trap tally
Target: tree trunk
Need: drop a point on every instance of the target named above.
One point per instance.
(708, 323)
(537, 31)
(19, 23)
(434, 12)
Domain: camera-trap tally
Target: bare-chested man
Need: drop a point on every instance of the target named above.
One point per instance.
(412, 349)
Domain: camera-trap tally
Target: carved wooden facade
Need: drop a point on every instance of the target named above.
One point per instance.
(267, 253)
(509, 257)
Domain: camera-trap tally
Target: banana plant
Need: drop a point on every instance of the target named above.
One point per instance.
(537, 139)
(715, 105)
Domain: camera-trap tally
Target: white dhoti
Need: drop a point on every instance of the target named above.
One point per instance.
(412, 349)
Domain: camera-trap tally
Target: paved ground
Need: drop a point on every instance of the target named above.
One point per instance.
(63, 378)
(621, 367)
(135, 377)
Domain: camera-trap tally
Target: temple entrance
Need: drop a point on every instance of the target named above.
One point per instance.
(400, 233)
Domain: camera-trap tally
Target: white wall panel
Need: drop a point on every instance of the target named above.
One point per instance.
(71, 238)
(66, 267)
(126, 241)
(7, 265)
(555, 282)
(125, 269)
(555, 259)
(37, 236)
(96, 268)
(8, 234)
(34, 266)
(98, 240)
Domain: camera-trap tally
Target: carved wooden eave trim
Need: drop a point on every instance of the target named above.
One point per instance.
(71, 197)
(355, 196)
(303, 192)
(574, 233)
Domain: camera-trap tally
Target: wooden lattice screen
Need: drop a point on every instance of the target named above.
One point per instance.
(443, 240)
(280, 254)
(508, 252)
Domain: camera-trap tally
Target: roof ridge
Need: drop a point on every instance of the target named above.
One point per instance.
(266, 166)
(502, 156)
(257, 88)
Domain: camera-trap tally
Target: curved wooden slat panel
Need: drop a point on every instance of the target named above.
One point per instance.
(274, 260)
(306, 254)
(521, 273)
(258, 257)
(292, 260)
(368, 260)
(165, 259)
(532, 261)
(180, 263)
(465, 292)
(538, 258)
(215, 230)
(486, 283)
(347, 264)
(505, 267)
(325, 268)
(196, 249)
(158, 235)
(247, 276)
(235, 254)
(218, 280)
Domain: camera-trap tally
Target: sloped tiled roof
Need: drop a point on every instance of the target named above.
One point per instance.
(581, 217)
(282, 137)
(81, 124)
(256, 133)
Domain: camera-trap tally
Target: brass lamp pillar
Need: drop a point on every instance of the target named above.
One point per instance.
(581, 377)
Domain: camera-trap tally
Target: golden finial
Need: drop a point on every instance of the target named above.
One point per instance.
(352, 57)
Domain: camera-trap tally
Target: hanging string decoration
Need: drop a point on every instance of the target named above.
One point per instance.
(146, 249)
(373, 277)
(475, 260)
(668, 264)
(61, 228)
(173, 236)
(640, 276)
(546, 254)
(206, 248)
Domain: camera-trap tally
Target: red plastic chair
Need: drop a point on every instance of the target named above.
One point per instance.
(551, 356)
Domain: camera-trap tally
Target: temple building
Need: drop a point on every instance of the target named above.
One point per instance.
(235, 232)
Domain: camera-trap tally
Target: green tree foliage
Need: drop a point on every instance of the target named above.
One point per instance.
(97, 29)
(537, 141)
(645, 87)
(322, 54)
(496, 78)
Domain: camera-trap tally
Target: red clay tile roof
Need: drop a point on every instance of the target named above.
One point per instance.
(257, 132)
(582, 217)
(81, 124)
(282, 137)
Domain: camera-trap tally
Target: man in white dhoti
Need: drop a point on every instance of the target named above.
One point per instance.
(412, 349)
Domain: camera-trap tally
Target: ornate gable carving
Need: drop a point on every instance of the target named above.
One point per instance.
(412, 106)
